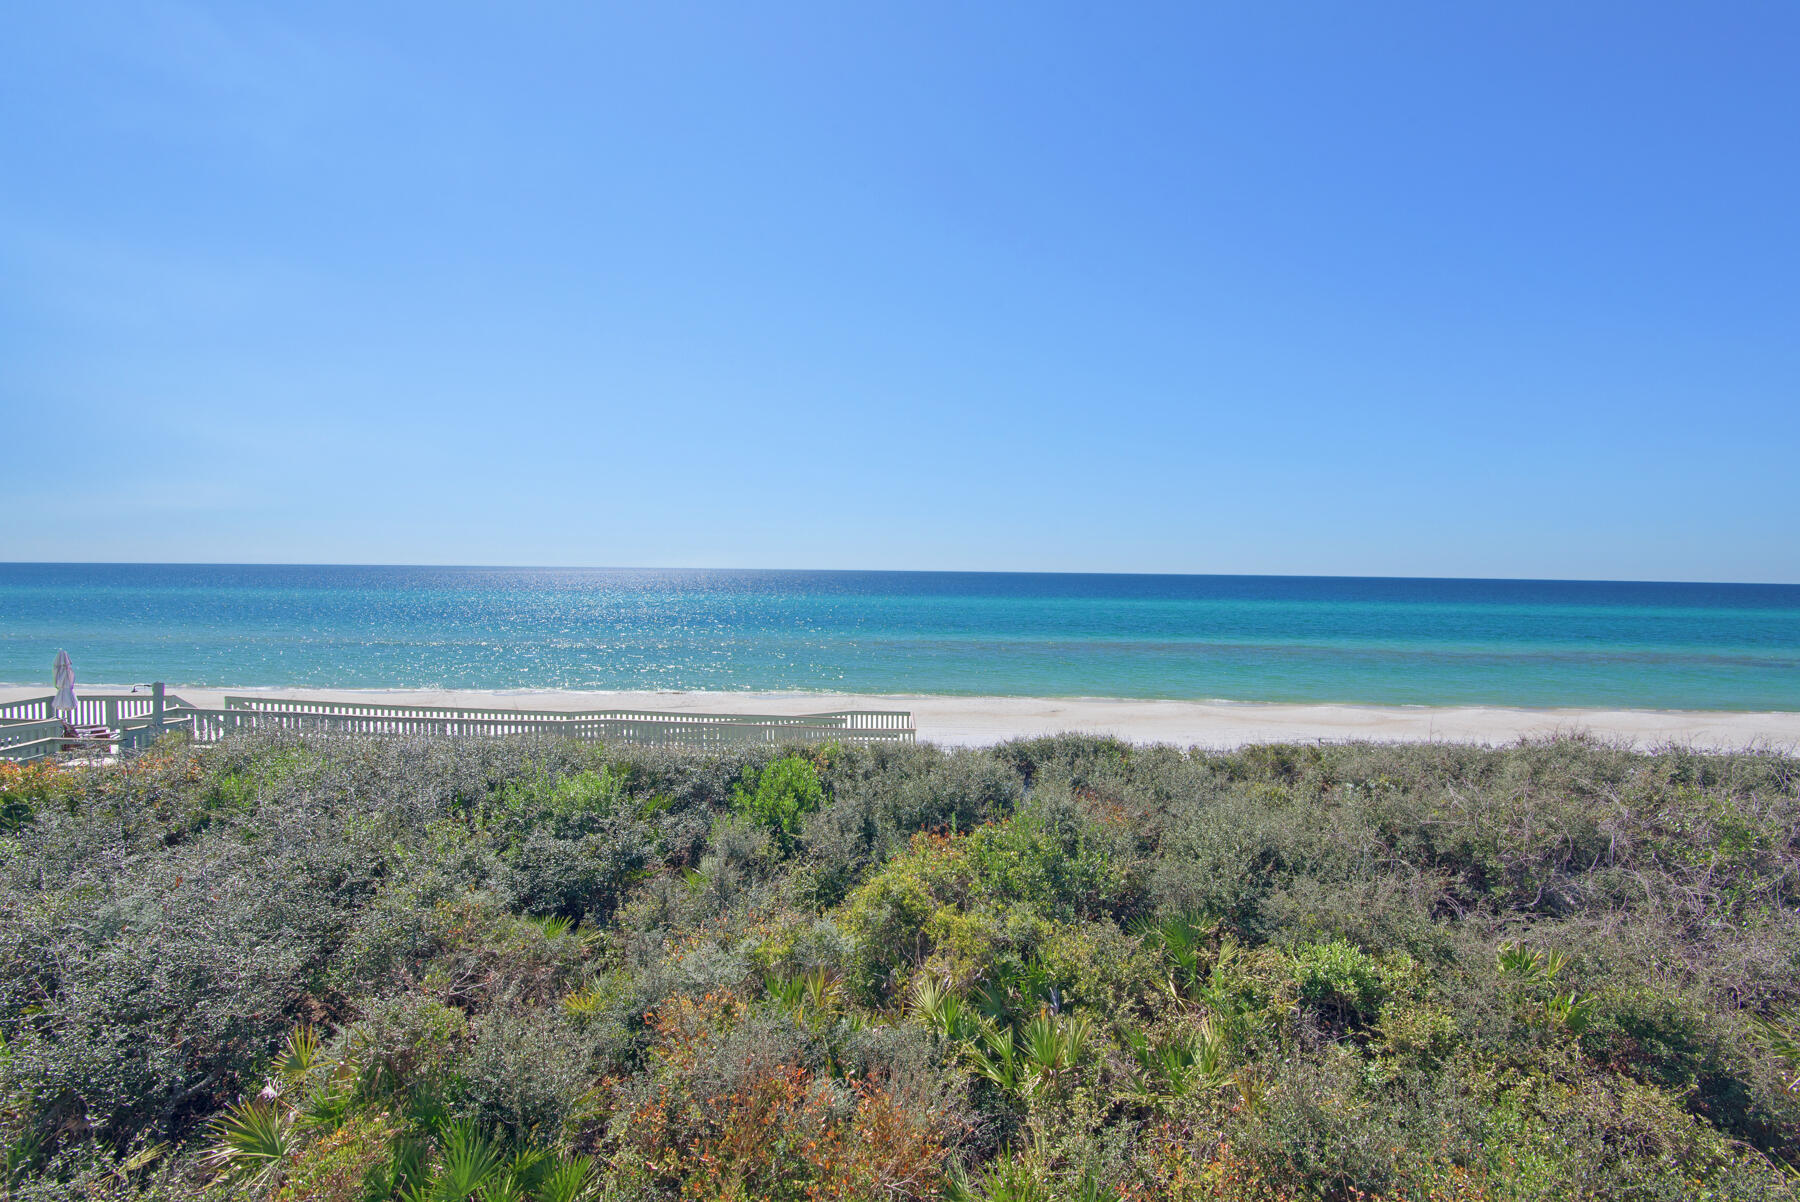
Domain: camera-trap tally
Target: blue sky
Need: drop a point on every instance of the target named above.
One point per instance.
(1414, 289)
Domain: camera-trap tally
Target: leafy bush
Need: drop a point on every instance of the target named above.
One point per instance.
(578, 877)
(1338, 981)
(526, 1072)
(779, 795)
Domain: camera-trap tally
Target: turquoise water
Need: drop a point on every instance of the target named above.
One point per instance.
(1241, 638)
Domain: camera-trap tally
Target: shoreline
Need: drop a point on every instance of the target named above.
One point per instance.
(961, 721)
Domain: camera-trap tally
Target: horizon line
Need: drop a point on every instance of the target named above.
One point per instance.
(551, 567)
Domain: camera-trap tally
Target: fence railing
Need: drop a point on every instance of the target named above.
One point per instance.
(94, 709)
(29, 730)
(874, 720)
(31, 740)
(27, 710)
(210, 725)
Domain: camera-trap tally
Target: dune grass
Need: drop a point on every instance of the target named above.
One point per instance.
(1056, 969)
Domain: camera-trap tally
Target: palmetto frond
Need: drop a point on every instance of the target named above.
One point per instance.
(569, 1181)
(252, 1139)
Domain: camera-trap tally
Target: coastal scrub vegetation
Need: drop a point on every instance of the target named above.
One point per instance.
(1063, 968)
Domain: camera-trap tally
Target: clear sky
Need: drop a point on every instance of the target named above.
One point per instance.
(1501, 289)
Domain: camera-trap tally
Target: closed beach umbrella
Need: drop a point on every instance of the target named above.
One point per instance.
(65, 686)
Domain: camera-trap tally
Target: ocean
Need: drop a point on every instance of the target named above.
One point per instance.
(1234, 638)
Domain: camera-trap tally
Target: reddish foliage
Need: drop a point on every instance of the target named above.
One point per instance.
(784, 1132)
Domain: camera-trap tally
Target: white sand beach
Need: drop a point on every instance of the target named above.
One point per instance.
(978, 721)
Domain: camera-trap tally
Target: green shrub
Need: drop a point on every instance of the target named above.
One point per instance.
(575, 877)
(404, 1044)
(1340, 982)
(778, 796)
(526, 1071)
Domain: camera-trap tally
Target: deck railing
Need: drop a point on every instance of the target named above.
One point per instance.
(92, 709)
(27, 710)
(24, 741)
(29, 730)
